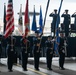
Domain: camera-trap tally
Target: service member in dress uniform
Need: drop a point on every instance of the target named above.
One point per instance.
(10, 51)
(0, 46)
(74, 15)
(53, 24)
(25, 46)
(37, 48)
(66, 22)
(61, 51)
(49, 52)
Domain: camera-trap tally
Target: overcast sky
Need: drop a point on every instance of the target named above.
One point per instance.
(54, 4)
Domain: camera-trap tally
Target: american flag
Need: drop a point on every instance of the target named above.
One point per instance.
(26, 19)
(9, 19)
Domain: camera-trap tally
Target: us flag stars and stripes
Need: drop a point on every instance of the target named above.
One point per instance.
(9, 19)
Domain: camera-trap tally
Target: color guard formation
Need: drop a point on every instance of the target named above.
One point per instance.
(37, 40)
(25, 49)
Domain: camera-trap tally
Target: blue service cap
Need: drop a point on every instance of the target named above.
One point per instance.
(49, 36)
(66, 10)
(55, 9)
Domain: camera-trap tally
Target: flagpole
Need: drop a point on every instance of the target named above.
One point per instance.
(46, 11)
(44, 21)
(57, 29)
(4, 20)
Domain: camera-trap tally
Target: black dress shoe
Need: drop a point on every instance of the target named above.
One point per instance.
(10, 70)
(61, 68)
(25, 70)
(37, 69)
(50, 68)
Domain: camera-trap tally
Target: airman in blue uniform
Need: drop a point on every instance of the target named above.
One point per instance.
(49, 52)
(74, 25)
(37, 49)
(66, 22)
(61, 52)
(10, 52)
(25, 46)
(53, 24)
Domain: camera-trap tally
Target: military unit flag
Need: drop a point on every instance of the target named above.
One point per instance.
(40, 21)
(26, 20)
(34, 26)
(20, 20)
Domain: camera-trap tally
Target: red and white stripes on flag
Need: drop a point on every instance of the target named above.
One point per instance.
(9, 19)
(26, 20)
